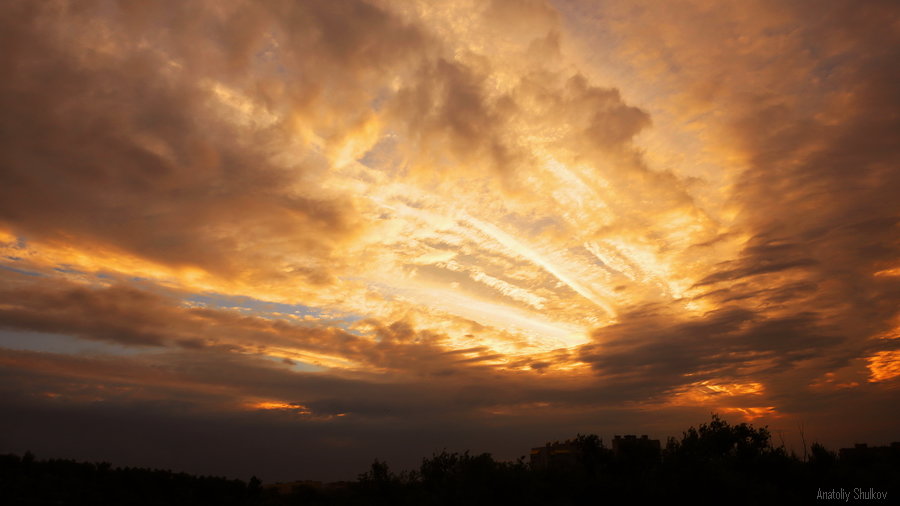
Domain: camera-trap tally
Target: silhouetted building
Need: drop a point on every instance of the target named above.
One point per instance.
(861, 452)
(555, 455)
(631, 448)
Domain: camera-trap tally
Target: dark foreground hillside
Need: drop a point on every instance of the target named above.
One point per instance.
(716, 463)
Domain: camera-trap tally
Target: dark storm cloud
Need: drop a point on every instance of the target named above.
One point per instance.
(819, 195)
(274, 445)
(111, 133)
(120, 314)
(210, 359)
(224, 384)
(817, 201)
(150, 316)
(651, 356)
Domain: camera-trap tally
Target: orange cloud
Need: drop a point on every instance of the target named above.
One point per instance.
(884, 365)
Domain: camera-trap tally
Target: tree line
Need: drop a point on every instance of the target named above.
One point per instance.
(714, 463)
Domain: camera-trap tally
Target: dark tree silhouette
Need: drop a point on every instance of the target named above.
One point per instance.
(714, 463)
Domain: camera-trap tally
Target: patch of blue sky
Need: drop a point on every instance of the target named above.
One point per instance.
(384, 94)
(382, 156)
(62, 344)
(298, 365)
(21, 271)
(68, 270)
(267, 309)
(19, 243)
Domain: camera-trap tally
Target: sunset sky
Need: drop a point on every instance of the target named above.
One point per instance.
(284, 238)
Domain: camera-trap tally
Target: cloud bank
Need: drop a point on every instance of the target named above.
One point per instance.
(328, 231)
